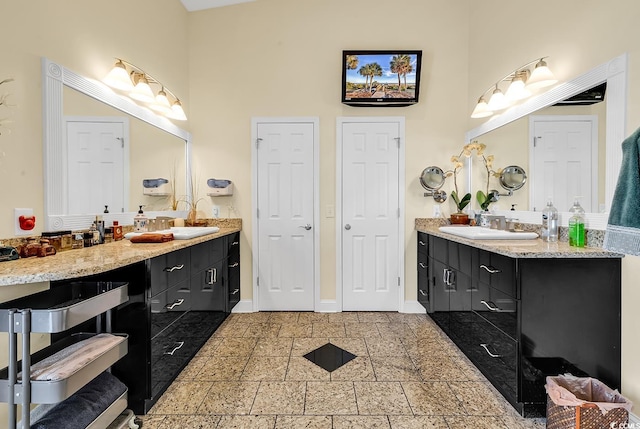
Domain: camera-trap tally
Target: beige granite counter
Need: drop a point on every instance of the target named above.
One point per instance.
(516, 248)
(94, 260)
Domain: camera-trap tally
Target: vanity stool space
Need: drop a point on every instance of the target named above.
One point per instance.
(522, 312)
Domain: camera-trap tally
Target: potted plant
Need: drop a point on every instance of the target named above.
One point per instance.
(485, 198)
(459, 217)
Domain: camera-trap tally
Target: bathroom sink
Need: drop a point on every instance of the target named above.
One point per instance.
(181, 232)
(481, 233)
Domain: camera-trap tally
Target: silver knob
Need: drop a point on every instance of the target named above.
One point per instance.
(347, 227)
(307, 227)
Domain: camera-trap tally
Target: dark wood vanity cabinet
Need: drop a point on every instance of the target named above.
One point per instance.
(521, 319)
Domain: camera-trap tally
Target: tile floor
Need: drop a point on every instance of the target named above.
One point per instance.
(407, 374)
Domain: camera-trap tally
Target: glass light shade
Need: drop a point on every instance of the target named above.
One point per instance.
(119, 77)
(517, 89)
(161, 103)
(498, 101)
(142, 91)
(177, 112)
(541, 76)
(481, 110)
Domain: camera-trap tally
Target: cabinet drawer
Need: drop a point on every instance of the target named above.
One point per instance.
(423, 243)
(205, 254)
(168, 270)
(176, 298)
(233, 246)
(497, 271)
(438, 248)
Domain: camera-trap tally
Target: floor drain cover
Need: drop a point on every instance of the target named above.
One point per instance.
(330, 357)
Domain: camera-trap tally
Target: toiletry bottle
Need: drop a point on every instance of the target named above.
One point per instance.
(117, 231)
(140, 221)
(95, 235)
(549, 222)
(100, 228)
(576, 225)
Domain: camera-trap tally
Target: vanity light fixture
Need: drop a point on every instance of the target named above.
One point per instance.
(522, 83)
(144, 88)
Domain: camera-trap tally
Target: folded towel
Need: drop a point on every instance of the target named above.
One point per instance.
(623, 227)
(154, 183)
(218, 183)
(150, 237)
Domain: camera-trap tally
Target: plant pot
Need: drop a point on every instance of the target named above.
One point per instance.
(459, 218)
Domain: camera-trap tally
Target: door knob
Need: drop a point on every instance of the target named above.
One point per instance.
(307, 227)
(347, 227)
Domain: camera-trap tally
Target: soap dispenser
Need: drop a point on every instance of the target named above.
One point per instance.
(140, 221)
(576, 225)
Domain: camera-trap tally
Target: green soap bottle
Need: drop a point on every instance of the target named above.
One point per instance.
(576, 225)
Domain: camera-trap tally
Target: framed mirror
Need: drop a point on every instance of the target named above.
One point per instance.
(58, 79)
(614, 73)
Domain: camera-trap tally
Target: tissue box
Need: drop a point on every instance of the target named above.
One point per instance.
(219, 187)
(158, 187)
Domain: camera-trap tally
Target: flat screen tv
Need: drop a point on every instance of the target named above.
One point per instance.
(381, 78)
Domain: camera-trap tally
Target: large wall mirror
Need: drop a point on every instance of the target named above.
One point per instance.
(156, 148)
(510, 135)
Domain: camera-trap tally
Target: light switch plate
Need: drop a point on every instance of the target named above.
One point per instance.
(17, 214)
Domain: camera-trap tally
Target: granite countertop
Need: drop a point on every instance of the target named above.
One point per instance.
(93, 260)
(517, 248)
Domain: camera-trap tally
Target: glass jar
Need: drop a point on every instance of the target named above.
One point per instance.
(108, 235)
(54, 238)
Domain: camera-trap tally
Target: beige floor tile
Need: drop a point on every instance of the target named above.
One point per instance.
(394, 368)
(189, 422)
(444, 369)
(381, 398)
(373, 317)
(223, 368)
(432, 398)
(284, 317)
(322, 329)
(152, 421)
(273, 347)
(360, 422)
(359, 369)
(298, 330)
(306, 422)
(247, 422)
(262, 330)
(210, 346)
(190, 372)
(302, 346)
(477, 398)
(286, 397)
(408, 318)
(259, 317)
(229, 397)
(302, 369)
(517, 422)
(235, 347)
(418, 422)
(344, 317)
(231, 330)
(476, 422)
(182, 397)
(330, 398)
(380, 346)
(471, 372)
(361, 330)
(310, 318)
(356, 346)
(271, 368)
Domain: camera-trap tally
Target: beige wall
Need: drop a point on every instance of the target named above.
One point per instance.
(577, 35)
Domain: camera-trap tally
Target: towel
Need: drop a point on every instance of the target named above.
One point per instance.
(623, 227)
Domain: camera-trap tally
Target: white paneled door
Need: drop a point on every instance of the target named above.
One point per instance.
(96, 166)
(370, 210)
(286, 231)
(564, 154)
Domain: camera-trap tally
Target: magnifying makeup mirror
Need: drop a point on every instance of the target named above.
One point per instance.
(432, 179)
(512, 178)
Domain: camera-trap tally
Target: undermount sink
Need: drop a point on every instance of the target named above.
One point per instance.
(181, 232)
(482, 233)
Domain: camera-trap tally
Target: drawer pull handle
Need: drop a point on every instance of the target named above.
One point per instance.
(235, 291)
(423, 266)
(490, 270)
(235, 264)
(175, 267)
(235, 243)
(422, 292)
(176, 303)
(484, 346)
(422, 243)
(175, 349)
(491, 306)
(213, 272)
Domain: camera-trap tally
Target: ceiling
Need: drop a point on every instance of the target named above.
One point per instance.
(194, 5)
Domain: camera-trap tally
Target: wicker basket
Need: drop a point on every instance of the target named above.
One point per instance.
(587, 416)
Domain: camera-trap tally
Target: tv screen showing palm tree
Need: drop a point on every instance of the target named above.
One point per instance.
(372, 78)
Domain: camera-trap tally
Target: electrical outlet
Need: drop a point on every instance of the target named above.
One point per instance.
(436, 211)
(26, 227)
(216, 212)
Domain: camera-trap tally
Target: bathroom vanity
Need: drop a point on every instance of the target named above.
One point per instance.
(523, 310)
(179, 292)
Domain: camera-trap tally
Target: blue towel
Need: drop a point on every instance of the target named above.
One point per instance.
(154, 183)
(623, 228)
(218, 183)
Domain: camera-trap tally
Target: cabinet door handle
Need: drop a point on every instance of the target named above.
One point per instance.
(235, 264)
(422, 243)
(235, 291)
(486, 348)
(175, 349)
(176, 303)
(175, 267)
(423, 266)
(422, 292)
(445, 276)
(490, 269)
(491, 306)
(213, 273)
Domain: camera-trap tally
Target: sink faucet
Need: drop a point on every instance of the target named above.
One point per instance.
(497, 222)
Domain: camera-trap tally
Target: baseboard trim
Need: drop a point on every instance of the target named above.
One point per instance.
(634, 421)
(243, 306)
(413, 307)
(327, 306)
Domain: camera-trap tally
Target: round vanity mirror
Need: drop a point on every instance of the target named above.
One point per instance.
(513, 177)
(432, 178)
